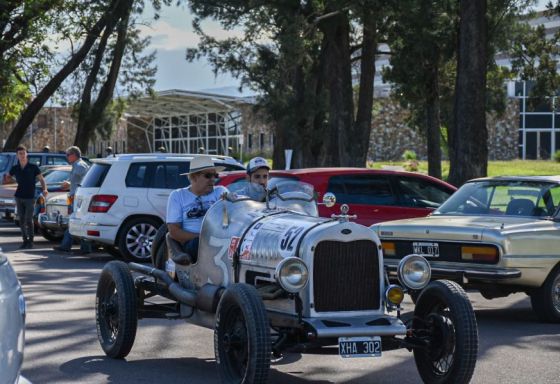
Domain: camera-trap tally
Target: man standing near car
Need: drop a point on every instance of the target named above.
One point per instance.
(79, 170)
(186, 207)
(26, 174)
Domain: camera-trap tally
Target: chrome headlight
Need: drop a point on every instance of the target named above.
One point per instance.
(414, 272)
(292, 274)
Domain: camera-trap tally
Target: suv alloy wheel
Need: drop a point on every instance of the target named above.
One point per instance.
(136, 237)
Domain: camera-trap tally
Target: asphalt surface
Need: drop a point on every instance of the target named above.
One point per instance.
(62, 346)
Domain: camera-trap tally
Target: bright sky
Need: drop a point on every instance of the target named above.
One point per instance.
(171, 35)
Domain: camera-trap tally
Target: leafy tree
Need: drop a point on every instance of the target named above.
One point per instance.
(106, 27)
(304, 70)
(422, 41)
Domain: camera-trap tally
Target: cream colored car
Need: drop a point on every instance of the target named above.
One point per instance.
(497, 235)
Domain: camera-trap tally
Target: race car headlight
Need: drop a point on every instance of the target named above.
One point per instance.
(414, 272)
(292, 274)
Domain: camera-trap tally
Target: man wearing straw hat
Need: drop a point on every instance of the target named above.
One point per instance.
(186, 207)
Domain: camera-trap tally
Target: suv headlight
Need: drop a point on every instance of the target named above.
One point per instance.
(292, 274)
(414, 272)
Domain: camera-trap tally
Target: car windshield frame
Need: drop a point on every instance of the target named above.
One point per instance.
(511, 197)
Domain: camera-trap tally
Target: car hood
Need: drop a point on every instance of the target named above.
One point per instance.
(456, 228)
(8, 190)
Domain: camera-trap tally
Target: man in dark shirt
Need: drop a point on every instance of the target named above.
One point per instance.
(26, 174)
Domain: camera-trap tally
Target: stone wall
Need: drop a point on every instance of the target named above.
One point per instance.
(53, 126)
(258, 133)
(391, 136)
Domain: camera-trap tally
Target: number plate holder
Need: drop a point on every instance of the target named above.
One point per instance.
(363, 346)
(426, 249)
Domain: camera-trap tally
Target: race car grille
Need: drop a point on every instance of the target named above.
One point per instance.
(346, 276)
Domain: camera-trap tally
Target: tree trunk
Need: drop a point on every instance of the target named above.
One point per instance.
(85, 103)
(469, 139)
(336, 53)
(35, 106)
(433, 125)
(359, 140)
(106, 93)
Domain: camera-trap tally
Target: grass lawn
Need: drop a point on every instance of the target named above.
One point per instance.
(495, 168)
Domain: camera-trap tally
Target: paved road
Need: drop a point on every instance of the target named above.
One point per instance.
(62, 347)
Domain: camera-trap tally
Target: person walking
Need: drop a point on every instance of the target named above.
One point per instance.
(26, 174)
(79, 170)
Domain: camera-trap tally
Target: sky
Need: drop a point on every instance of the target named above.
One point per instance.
(171, 34)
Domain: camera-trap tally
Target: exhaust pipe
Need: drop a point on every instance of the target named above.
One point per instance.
(181, 294)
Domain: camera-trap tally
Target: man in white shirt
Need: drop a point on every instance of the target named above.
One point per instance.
(186, 207)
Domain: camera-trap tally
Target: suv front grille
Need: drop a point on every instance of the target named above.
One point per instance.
(346, 276)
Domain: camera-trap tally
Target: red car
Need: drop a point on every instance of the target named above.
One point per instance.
(373, 195)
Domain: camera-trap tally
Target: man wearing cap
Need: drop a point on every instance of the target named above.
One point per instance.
(186, 207)
(257, 171)
(257, 176)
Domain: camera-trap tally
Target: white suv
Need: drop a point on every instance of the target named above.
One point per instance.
(122, 200)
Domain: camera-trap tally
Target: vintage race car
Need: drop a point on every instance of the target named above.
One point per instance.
(497, 235)
(272, 277)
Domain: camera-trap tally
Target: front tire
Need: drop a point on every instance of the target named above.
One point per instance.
(546, 299)
(445, 319)
(242, 336)
(136, 237)
(116, 310)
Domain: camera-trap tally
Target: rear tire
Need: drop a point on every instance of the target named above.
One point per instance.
(51, 235)
(136, 237)
(116, 310)
(159, 248)
(546, 299)
(242, 336)
(444, 317)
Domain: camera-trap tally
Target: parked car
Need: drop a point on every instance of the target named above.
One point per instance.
(9, 159)
(270, 278)
(373, 195)
(12, 324)
(122, 200)
(497, 235)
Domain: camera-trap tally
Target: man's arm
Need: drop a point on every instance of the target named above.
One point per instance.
(177, 233)
(43, 184)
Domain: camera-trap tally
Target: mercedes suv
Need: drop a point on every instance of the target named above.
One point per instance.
(122, 200)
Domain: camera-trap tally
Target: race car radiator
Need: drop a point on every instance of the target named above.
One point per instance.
(346, 276)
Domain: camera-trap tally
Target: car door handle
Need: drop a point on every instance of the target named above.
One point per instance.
(162, 194)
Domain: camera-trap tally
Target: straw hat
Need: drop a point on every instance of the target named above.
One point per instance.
(200, 163)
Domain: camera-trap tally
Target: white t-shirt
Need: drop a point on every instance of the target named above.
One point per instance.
(186, 208)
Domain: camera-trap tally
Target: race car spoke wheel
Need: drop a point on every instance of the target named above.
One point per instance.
(116, 310)
(242, 336)
(136, 238)
(445, 320)
(546, 299)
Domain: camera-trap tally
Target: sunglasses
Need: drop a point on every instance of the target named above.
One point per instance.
(210, 175)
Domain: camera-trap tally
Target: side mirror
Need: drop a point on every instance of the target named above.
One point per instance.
(329, 199)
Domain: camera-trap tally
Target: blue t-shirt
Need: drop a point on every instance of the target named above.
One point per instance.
(189, 209)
